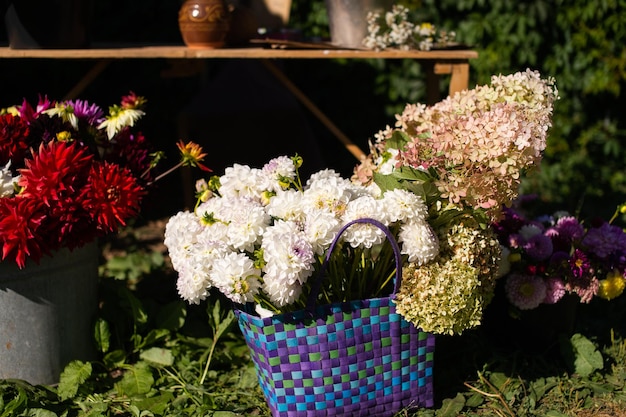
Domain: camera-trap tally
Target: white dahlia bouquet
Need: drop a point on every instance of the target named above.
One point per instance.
(258, 235)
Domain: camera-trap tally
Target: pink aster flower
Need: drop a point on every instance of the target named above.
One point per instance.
(525, 291)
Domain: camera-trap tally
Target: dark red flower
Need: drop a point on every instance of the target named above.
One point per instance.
(21, 224)
(131, 151)
(14, 142)
(111, 196)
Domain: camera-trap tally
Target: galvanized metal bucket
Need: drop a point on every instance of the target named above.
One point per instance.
(46, 314)
(348, 20)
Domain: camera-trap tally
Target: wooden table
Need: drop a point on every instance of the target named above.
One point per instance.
(437, 62)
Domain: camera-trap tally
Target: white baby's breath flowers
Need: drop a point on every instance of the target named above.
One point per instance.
(393, 29)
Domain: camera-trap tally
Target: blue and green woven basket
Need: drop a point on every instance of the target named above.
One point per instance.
(357, 358)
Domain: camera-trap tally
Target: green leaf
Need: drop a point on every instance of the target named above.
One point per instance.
(219, 324)
(475, 400)
(158, 356)
(114, 359)
(74, 374)
(40, 412)
(17, 404)
(172, 316)
(157, 404)
(133, 305)
(102, 335)
(588, 358)
(137, 380)
(451, 407)
(397, 140)
(386, 182)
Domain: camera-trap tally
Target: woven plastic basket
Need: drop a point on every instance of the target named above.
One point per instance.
(357, 358)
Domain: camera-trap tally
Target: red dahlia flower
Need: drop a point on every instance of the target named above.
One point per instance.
(112, 196)
(21, 222)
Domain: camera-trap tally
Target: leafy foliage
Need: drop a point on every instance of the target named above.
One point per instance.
(161, 357)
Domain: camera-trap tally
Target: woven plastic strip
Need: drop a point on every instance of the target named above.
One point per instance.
(358, 358)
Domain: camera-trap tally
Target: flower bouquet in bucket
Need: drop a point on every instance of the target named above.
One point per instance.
(69, 174)
(340, 284)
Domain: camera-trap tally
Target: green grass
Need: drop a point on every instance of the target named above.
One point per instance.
(161, 357)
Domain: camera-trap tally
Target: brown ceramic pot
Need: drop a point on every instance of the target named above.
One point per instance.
(204, 23)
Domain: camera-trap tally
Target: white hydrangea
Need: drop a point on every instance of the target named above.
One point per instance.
(236, 277)
(7, 181)
(364, 235)
(419, 241)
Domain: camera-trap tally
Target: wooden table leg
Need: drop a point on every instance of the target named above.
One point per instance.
(87, 79)
(459, 71)
(459, 78)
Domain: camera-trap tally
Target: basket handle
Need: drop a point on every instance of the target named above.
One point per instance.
(315, 288)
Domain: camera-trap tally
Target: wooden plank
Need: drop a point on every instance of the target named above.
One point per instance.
(183, 52)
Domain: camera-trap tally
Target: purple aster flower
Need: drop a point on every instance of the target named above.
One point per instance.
(559, 242)
(605, 240)
(90, 113)
(538, 247)
(525, 291)
(555, 290)
(570, 228)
